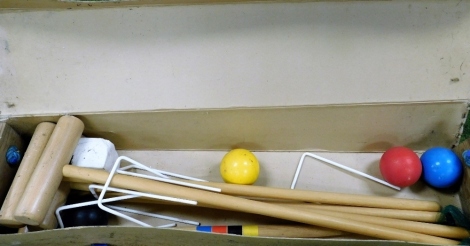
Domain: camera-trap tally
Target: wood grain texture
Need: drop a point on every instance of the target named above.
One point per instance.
(60, 197)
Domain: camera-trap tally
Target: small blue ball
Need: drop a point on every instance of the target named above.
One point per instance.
(466, 157)
(13, 156)
(441, 167)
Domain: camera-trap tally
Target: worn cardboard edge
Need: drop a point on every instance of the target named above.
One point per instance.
(24, 5)
(150, 236)
(24, 115)
(464, 192)
(347, 128)
(464, 119)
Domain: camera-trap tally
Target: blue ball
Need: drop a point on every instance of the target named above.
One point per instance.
(466, 157)
(441, 167)
(13, 156)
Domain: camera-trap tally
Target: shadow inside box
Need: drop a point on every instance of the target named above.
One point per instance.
(8, 230)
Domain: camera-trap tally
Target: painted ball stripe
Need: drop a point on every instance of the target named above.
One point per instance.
(219, 229)
(204, 228)
(250, 230)
(235, 230)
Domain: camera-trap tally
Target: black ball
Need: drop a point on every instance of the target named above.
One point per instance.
(84, 216)
(8, 230)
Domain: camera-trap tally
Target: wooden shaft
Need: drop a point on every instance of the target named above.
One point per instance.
(31, 157)
(412, 215)
(319, 197)
(344, 212)
(77, 185)
(414, 226)
(297, 231)
(23, 229)
(249, 206)
(60, 197)
(324, 197)
(285, 231)
(409, 225)
(421, 216)
(47, 176)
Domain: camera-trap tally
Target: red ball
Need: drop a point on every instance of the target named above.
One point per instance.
(400, 166)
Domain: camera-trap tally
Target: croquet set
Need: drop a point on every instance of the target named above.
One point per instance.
(239, 124)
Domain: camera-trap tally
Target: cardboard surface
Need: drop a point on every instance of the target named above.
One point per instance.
(8, 138)
(25, 5)
(278, 168)
(465, 189)
(360, 128)
(279, 78)
(240, 55)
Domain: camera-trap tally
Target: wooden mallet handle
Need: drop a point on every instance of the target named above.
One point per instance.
(324, 197)
(414, 226)
(33, 153)
(320, 197)
(400, 219)
(47, 176)
(60, 197)
(413, 215)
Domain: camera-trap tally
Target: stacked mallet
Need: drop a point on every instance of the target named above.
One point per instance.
(36, 190)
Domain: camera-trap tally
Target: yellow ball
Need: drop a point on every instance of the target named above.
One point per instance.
(239, 166)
